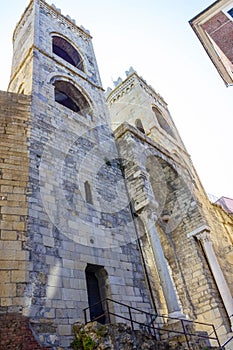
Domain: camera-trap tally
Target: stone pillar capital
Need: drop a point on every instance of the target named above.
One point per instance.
(148, 213)
(204, 237)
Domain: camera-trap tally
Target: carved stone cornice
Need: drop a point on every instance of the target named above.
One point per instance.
(65, 20)
(198, 231)
(54, 13)
(128, 84)
(123, 88)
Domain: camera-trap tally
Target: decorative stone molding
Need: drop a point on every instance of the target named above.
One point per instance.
(65, 20)
(122, 88)
(198, 231)
(204, 237)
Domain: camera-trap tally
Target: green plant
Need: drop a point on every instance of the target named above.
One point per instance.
(82, 342)
(76, 344)
(88, 343)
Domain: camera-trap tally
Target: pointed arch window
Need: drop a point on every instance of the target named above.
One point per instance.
(70, 97)
(162, 122)
(67, 52)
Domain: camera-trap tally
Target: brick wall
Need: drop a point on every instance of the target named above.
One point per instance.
(220, 28)
(15, 333)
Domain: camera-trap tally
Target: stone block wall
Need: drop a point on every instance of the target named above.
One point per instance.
(14, 177)
(51, 230)
(67, 150)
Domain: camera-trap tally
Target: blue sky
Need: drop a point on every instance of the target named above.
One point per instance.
(156, 39)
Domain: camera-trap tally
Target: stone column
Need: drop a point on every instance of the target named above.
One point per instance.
(148, 217)
(204, 238)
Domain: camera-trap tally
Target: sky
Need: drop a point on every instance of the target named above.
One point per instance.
(155, 38)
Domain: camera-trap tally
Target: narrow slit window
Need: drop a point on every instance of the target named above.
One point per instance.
(88, 194)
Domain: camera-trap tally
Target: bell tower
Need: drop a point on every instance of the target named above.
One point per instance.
(79, 223)
(48, 46)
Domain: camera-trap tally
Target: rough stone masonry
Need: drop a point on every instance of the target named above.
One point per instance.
(99, 197)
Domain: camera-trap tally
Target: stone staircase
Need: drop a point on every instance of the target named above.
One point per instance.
(160, 330)
(120, 336)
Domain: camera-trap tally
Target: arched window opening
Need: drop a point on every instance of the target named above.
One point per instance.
(70, 97)
(88, 194)
(162, 122)
(67, 52)
(66, 101)
(96, 280)
(139, 126)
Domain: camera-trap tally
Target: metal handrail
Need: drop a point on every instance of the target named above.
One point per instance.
(152, 327)
(226, 342)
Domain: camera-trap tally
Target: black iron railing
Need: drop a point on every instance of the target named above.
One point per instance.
(157, 325)
(227, 342)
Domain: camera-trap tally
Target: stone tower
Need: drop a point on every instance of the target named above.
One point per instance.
(75, 242)
(98, 199)
(176, 222)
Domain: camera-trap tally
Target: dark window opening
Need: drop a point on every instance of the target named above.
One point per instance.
(230, 12)
(162, 122)
(63, 54)
(66, 101)
(139, 126)
(67, 52)
(88, 193)
(96, 289)
(70, 97)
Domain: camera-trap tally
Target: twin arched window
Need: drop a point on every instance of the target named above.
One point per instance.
(67, 52)
(65, 93)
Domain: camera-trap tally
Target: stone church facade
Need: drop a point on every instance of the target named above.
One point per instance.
(99, 197)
